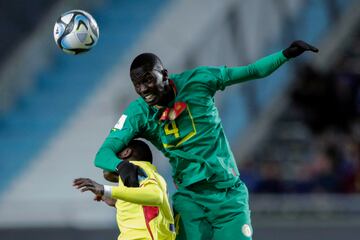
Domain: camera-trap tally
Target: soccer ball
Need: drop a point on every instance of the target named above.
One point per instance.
(76, 31)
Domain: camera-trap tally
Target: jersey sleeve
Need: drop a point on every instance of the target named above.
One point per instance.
(149, 193)
(261, 68)
(131, 122)
(212, 79)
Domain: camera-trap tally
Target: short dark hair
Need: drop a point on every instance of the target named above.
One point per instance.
(141, 151)
(145, 60)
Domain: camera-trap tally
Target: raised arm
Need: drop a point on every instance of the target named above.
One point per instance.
(265, 66)
(261, 68)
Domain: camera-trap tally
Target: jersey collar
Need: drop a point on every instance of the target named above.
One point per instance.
(174, 89)
(143, 164)
(174, 108)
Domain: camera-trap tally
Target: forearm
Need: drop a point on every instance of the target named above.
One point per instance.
(106, 156)
(149, 195)
(261, 68)
(109, 201)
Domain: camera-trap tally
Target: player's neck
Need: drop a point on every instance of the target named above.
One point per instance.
(168, 97)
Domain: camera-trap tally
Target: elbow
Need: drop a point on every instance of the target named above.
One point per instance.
(97, 161)
(97, 164)
(100, 161)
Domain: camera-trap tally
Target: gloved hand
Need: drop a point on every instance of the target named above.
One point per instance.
(298, 47)
(129, 173)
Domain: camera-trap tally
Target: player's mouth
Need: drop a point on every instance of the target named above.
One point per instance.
(150, 98)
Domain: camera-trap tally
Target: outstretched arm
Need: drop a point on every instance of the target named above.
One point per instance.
(265, 66)
(150, 194)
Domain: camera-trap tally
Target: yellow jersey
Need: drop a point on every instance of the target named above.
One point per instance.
(144, 212)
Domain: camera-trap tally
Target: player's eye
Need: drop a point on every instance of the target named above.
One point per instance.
(148, 79)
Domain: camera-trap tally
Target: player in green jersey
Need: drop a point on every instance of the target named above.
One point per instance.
(177, 114)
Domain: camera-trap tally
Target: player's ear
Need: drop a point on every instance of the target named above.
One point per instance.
(126, 153)
(165, 75)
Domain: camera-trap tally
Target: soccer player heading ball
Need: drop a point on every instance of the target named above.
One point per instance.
(176, 112)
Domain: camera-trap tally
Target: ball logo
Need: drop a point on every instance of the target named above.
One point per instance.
(246, 230)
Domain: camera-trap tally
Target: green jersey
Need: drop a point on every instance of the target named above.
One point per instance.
(189, 132)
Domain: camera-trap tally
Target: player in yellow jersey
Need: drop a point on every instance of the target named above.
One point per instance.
(142, 212)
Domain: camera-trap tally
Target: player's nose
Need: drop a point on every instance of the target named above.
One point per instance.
(143, 88)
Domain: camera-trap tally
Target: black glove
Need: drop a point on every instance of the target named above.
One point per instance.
(129, 173)
(298, 47)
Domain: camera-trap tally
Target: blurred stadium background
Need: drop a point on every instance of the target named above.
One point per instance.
(296, 134)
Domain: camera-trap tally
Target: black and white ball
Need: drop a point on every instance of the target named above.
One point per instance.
(76, 31)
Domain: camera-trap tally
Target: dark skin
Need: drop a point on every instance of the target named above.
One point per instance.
(87, 184)
(111, 176)
(152, 85)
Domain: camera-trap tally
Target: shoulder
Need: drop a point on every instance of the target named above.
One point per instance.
(148, 172)
(138, 106)
(190, 72)
(199, 73)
